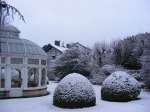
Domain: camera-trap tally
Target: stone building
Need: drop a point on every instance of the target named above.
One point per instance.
(23, 65)
(56, 49)
(53, 50)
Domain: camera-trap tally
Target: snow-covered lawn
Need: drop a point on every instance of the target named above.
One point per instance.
(44, 104)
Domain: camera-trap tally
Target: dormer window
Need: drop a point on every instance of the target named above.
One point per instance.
(53, 57)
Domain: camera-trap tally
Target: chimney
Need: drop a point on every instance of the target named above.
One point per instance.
(68, 46)
(62, 44)
(57, 43)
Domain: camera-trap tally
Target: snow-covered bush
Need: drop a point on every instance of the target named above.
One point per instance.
(108, 69)
(138, 76)
(74, 91)
(120, 86)
(132, 63)
(146, 69)
(147, 80)
(98, 75)
(72, 60)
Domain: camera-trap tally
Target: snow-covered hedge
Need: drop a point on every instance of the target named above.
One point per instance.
(138, 76)
(74, 91)
(120, 86)
(100, 74)
(108, 69)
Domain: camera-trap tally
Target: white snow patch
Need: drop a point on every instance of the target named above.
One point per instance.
(44, 104)
(60, 48)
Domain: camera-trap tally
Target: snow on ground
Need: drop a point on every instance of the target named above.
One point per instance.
(44, 104)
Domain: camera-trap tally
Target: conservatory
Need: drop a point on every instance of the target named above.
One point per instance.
(23, 65)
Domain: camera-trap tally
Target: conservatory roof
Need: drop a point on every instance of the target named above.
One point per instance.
(10, 43)
(9, 28)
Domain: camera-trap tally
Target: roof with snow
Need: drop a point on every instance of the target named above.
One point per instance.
(77, 44)
(60, 48)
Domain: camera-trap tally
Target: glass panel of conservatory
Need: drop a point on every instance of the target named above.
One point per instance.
(43, 62)
(28, 49)
(3, 47)
(33, 61)
(16, 48)
(3, 60)
(16, 61)
(31, 49)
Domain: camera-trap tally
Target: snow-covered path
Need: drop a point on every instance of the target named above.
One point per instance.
(44, 104)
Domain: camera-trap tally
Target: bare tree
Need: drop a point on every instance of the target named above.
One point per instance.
(98, 52)
(127, 53)
(6, 10)
(121, 52)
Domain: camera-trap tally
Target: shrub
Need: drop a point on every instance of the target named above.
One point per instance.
(146, 72)
(100, 74)
(120, 86)
(132, 63)
(138, 76)
(97, 76)
(147, 81)
(72, 60)
(74, 91)
(108, 69)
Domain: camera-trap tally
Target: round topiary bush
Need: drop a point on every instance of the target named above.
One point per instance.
(74, 91)
(120, 86)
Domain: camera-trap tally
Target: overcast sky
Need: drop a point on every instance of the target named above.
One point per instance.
(86, 21)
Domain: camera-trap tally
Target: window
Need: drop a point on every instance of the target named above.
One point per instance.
(16, 61)
(43, 62)
(3, 47)
(3, 60)
(2, 77)
(16, 79)
(33, 61)
(33, 77)
(53, 57)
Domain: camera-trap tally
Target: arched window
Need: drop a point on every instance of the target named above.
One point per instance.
(16, 79)
(33, 77)
(2, 77)
(43, 77)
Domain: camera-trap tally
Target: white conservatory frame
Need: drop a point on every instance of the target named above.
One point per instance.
(15, 78)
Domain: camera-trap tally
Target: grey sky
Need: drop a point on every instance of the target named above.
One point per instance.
(86, 21)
